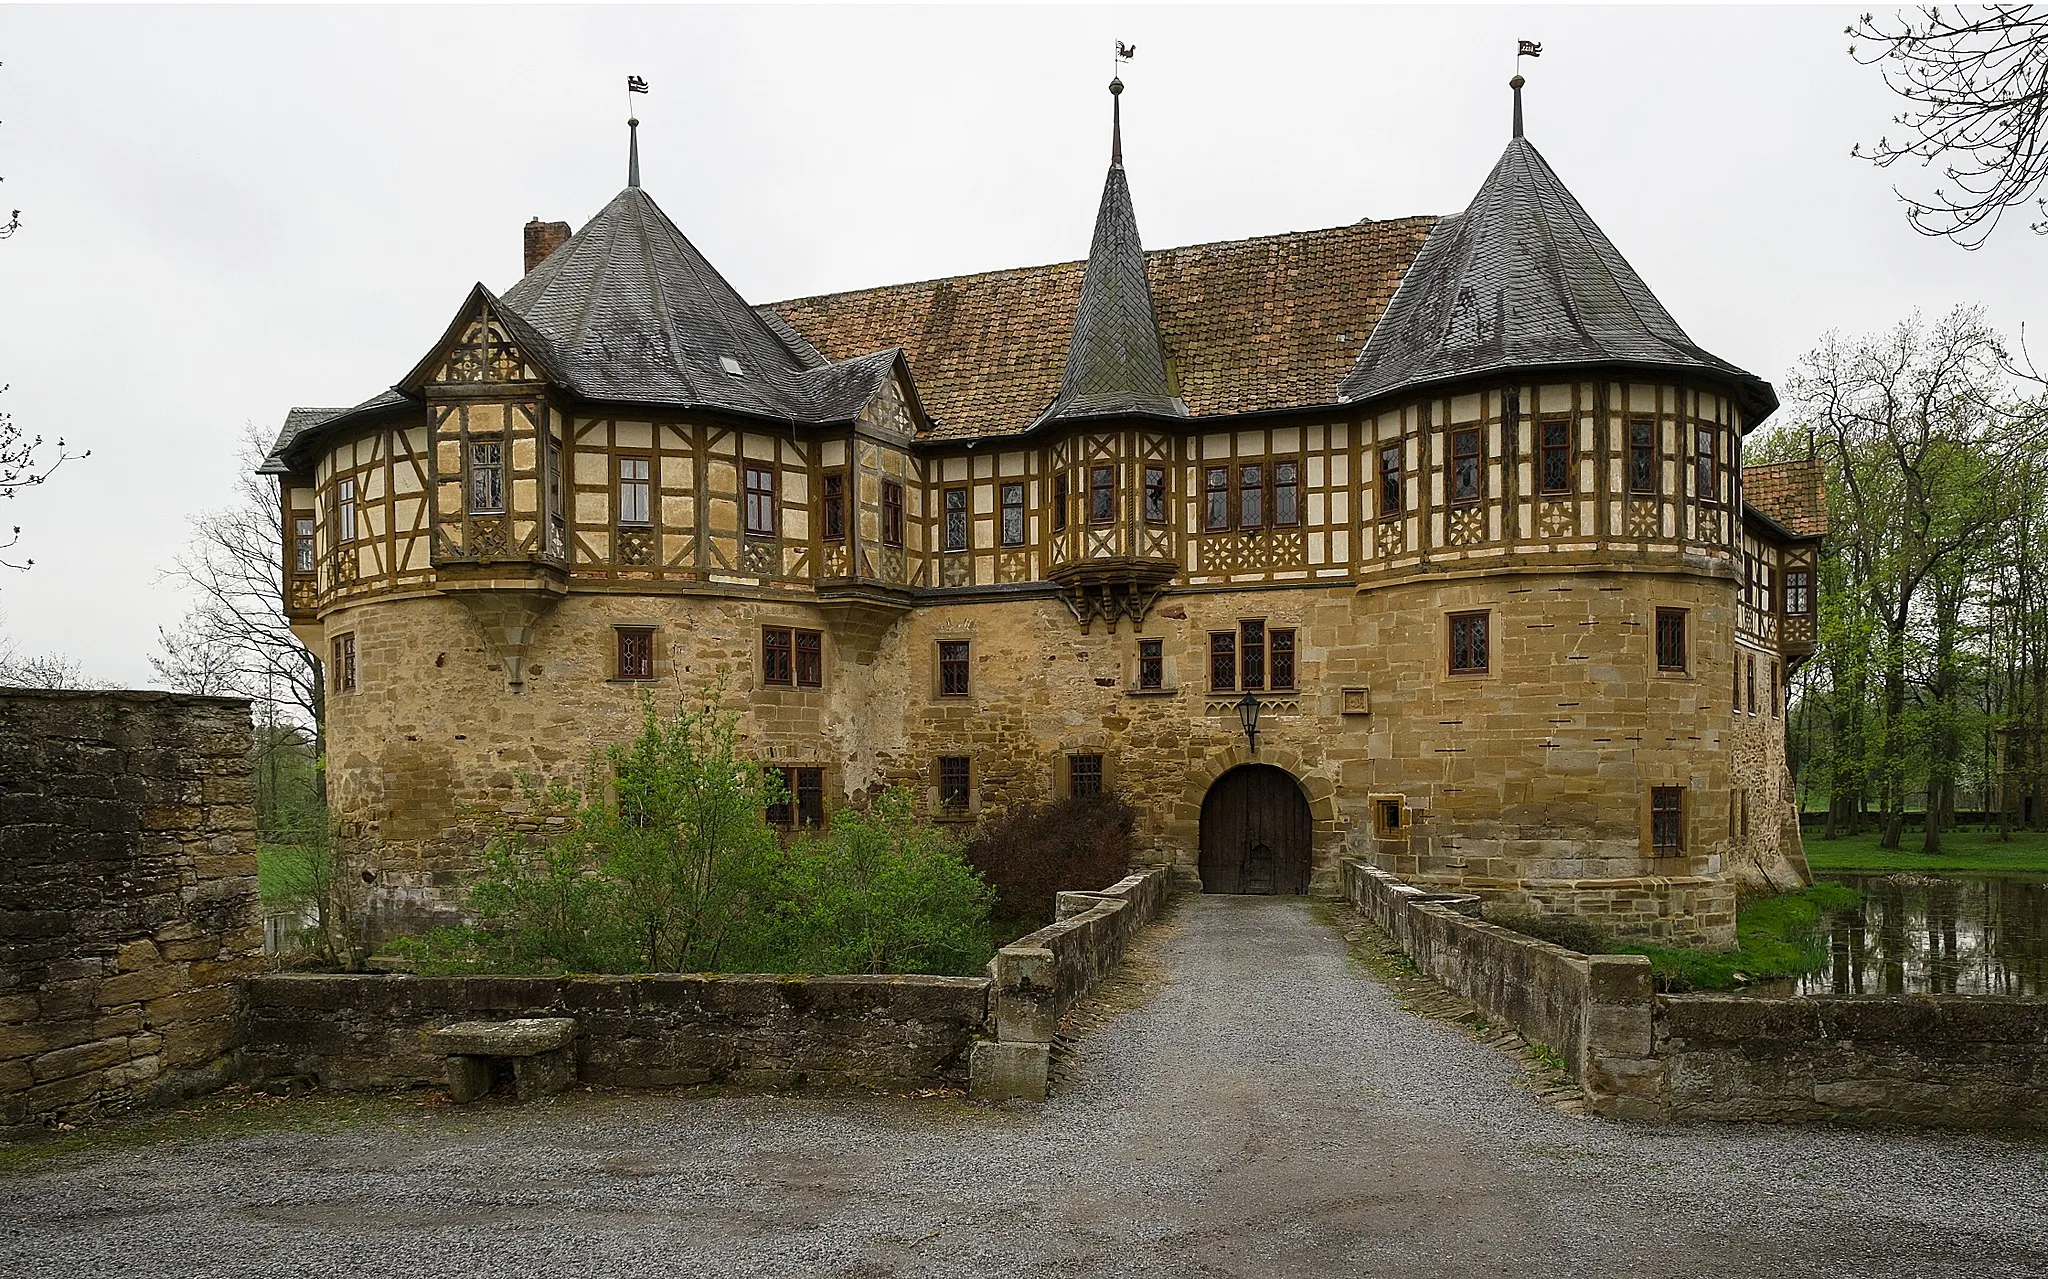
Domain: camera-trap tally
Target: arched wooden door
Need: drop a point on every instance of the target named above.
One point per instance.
(1255, 833)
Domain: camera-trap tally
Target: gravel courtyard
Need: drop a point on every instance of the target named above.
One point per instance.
(1269, 1110)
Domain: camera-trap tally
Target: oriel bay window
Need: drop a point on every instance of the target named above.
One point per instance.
(956, 519)
(302, 544)
(1556, 457)
(792, 658)
(633, 489)
(1642, 457)
(1390, 480)
(635, 652)
(1155, 495)
(1798, 592)
(1667, 820)
(1286, 493)
(953, 667)
(1253, 658)
(1216, 499)
(1251, 495)
(1059, 502)
(892, 513)
(486, 477)
(1469, 647)
(1013, 515)
(1101, 494)
(1465, 485)
(760, 501)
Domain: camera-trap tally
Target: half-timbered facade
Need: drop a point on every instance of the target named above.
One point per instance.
(1454, 499)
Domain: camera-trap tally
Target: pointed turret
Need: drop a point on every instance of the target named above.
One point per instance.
(1115, 361)
(1523, 279)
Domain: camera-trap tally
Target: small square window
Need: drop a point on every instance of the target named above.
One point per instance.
(1671, 640)
(1469, 654)
(955, 777)
(792, 658)
(952, 668)
(1151, 663)
(635, 652)
(1667, 819)
(1084, 775)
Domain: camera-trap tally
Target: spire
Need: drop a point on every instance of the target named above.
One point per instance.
(1116, 122)
(1516, 85)
(1115, 361)
(633, 152)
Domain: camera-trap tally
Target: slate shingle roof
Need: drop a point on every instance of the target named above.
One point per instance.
(1524, 279)
(1244, 325)
(300, 421)
(1790, 493)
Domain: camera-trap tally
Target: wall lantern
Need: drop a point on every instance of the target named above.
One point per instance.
(1248, 715)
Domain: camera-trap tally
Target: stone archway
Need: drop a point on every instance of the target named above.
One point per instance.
(1257, 835)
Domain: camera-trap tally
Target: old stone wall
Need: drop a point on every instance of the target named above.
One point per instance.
(1945, 1061)
(128, 905)
(354, 1032)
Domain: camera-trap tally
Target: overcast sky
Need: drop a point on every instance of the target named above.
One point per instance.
(228, 212)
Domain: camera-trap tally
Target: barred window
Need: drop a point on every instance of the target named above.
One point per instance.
(633, 486)
(1465, 466)
(1251, 495)
(892, 513)
(1084, 775)
(635, 652)
(956, 519)
(1155, 495)
(1667, 819)
(955, 778)
(1223, 661)
(1642, 457)
(1251, 654)
(1216, 499)
(486, 477)
(1101, 494)
(1390, 480)
(803, 797)
(1151, 663)
(1468, 644)
(345, 520)
(1557, 457)
(952, 668)
(760, 501)
(1671, 639)
(1286, 493)
(833, 503)
(1060, 499)
(1013, 515)
(1280, 648)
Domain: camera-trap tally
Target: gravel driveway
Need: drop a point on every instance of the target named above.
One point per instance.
(1269, 1110)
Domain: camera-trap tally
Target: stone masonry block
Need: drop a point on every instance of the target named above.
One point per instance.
(1008, 1072)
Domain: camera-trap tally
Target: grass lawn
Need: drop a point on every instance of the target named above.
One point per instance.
(1968, 850)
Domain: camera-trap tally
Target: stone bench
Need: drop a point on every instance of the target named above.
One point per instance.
(541, 1050)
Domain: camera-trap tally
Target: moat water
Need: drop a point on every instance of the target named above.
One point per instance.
(1944, 935)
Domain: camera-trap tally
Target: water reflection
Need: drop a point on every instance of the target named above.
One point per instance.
(1952, 935)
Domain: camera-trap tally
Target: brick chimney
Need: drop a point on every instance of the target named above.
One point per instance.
(543, 238)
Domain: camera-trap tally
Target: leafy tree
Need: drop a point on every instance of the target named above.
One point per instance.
(1975, 81)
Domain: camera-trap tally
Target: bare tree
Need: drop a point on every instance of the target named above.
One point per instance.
(235, 639)
(1975, 81)
(36, 670)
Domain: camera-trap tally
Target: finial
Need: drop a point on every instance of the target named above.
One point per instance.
(633, 152)
(1116, 126)
(1516, 84)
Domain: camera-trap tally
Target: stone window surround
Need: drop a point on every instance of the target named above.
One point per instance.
(963, 813)
(1084, 743)
(1685, 641)
(790, 814)
(624, 640)
(1169, 682)
(1489, 671)
(657, 657)
(346, 677)
(1686, 815)
(796, 633)
(966, 658)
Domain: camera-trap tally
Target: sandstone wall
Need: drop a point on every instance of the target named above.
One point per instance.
(356, 1032)
(128, 906)
(1531, 783)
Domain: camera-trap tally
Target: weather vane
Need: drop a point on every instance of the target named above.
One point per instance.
(1124, 53)
(1526, 49)
(634, 84)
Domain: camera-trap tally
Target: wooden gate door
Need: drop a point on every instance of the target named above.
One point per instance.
(1255, 833)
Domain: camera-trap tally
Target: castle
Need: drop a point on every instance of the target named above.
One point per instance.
(1425, 540)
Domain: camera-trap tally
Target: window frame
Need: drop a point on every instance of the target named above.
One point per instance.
(1706, 463)
(1667, 817)
(1391, 482)
(1006, 509)
(345, 678)
(950, 786)
(644, 482)
(1151, 665)
(948, 524)
(1561, 452)
(1464, 618)
(1279, 638)
(1217, 507)
(1223, 656)
(1061, 497)
(1255, 491)
(475, 469)
(1086, 765)
(1157, 509)
(1101, 495)
(305, 546)
(1251, 654)
(803, 802)
(1676, 616)
(955, 658)
(1804, 591)
(786, 652)
(1291, 487)
(892, 513)
(345, 510)
(762, 516)
(622, 640)
(832, 506)
(1475, 459)
(1638, 449)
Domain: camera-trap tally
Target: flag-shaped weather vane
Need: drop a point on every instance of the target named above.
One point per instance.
(634, 84)
(1125, 52)
(1527, 49)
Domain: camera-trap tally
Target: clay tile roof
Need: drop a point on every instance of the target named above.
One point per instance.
(1790, 493)
(1523, 279)
(1268, 323)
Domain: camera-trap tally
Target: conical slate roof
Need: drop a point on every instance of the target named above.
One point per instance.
(1523, 279)
(1115, 363)
(632, 311)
